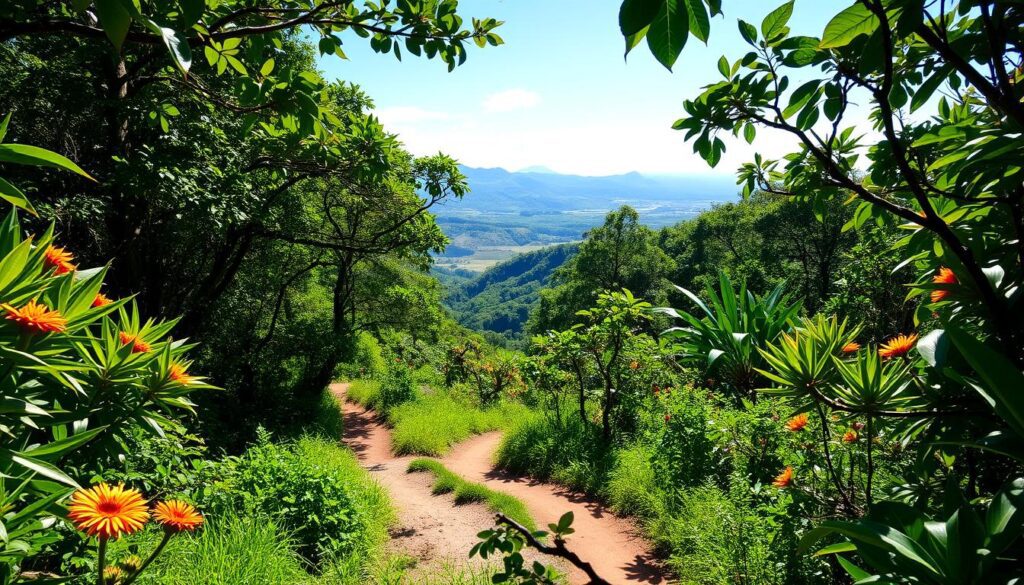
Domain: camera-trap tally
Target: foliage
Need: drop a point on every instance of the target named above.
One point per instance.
(314, 492)
(230, 550)
(621, 254)
(952, 180)
(509, 540)
(501, 298)
(465, 492)
(724, 339)
(435, 422)
(571, 453)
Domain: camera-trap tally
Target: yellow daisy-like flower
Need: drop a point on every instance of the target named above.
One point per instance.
(108, 511)
(177, 515)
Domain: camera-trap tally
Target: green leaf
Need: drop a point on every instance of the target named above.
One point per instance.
(848, 25)
(635, 15)
(852, 569)
(15, 197)
(181, 52)
(1000, 377)
(934, 347)
(774, 24)
(64, 445)
(24, 154)
(115, 21)
(747, 31)
(3, 126)
(45, 469)
(723, 67)
(667, 34)
(268, 67)
(800, 97)
(700, 24)
(925, 91)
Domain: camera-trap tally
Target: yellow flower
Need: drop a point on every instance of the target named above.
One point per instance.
(108, 511)
(36, 318)
(177, 515)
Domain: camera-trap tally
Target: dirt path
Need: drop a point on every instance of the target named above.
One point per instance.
(431, 530)
(435, 531)
(606, 541)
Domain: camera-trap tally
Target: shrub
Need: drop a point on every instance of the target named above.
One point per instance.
(684, 452)
(572, 453)
(364, 392)
(396, 388)
(633, 486)
(311, 488)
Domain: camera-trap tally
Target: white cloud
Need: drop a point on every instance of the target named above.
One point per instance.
(408, 114)
(511, 99)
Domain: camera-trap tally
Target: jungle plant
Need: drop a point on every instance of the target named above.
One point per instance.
(725, 338)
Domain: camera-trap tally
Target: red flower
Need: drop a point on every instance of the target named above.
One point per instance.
(898, 346)
(798, 422)
(100, 300)
(138, 345)
(36, 318)
(850, 436)
(947, 278)
(60, 259)
(784, 479)
(668, 417)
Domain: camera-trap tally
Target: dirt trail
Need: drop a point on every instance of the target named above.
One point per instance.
(608, 542)
(435, 531)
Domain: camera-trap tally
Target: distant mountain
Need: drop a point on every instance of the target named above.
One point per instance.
(537, 169)
(501, 298)
(542, 191)
(511, 212)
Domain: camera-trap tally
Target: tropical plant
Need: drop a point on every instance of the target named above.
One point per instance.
(725, 340)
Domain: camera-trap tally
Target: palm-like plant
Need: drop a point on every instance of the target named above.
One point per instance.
(726, 338)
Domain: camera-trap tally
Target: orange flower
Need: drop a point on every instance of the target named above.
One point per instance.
(633, 365)
(898, 346)
(138, 345)
(852, 347)
(108, 511)
(850, 436)
(177, 515)
(60, 259)
(798, 422)
(944, 277)
(784, 479)
(101, 300)
(668, 417)
(180, 375)
(36, 318)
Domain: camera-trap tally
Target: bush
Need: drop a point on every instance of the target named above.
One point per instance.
(367, 360)
(435, 422)
(633, 486)
(396, 388)
(364, 392)
(312, 488)
(572, 453)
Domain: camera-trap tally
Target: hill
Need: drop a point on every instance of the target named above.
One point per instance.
(501, 298)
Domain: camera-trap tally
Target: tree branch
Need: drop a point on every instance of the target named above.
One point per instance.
(558, 550)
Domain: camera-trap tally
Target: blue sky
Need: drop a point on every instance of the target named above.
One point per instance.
(558, 92)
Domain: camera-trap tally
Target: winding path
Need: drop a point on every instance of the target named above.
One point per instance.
(434, 530)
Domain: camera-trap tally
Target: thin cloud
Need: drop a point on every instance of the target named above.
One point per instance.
(511, 99)
(407, 114)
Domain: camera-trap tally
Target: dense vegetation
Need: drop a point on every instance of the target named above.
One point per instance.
(817, 384)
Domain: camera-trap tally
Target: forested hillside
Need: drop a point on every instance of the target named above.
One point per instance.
(501, 299)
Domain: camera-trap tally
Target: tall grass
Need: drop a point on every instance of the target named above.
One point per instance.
(433, 423)
(229, 551)
(571, 453)
(364, 392)
(466, 492)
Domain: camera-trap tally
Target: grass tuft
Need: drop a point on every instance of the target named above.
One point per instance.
(466, 492)
(432, 424)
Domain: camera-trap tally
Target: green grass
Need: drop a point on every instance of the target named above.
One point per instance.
(433, 423)
(364, 392)
(466, 492)
(228, 551)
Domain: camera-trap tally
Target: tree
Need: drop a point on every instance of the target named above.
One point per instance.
(622, 253)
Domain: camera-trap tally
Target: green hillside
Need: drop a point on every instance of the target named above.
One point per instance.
(501, 298)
